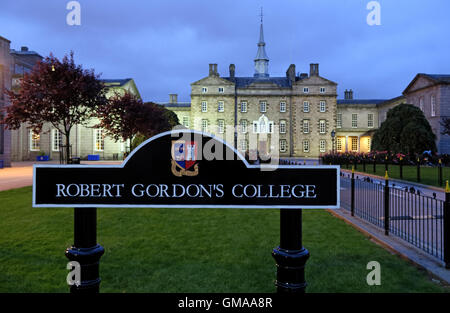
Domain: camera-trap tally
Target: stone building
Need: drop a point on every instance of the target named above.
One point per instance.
(431, 94)
(5, 84)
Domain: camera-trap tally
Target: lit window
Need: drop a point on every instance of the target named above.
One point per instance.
(354, 120)
(306, 126)
(339, 144)
(263, 106)
(368, 144)
(243, 126)
(186, 121)
(322, 89)
(305, 145)
(243, 107)
(433, 105)
(323, 106)
(221, 126)
(305, 90)
(282, 127)
(339, 120)
(56, 139)
(322, 145)
(370, 120)
(205, 126)
(282, 107)
(221, 89)
(204, 106)
(305, 106)
(283, 145)
(35, 141)
(99, 140)
(204, 89)
(220, 106)
(322, 126)
(354, 144)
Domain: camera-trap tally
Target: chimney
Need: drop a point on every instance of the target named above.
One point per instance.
(314, 69)
(346, 94)
(173, 98)
(303, 75)
(232, 70)
(350, 94)
(290, 73)
(213, 70)
(24, 49)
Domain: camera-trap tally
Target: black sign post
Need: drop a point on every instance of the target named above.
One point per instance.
(188, 169)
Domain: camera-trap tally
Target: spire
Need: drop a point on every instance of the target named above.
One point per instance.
(261, 59)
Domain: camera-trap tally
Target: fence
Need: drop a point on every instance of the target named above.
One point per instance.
(418, 219)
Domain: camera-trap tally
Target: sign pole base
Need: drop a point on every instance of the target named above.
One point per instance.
(86, 251)
(290, 256)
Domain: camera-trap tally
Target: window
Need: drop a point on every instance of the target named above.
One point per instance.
(255, 127)
(186, 121)
(305, 126)
(204, 89)
(433, 105)
(339, 144)
(99, 140)
(244, 144)
(323, 106)
(221, 89)
(354, 120)
(243, 126)
(270, 127)
(263, 106)
(220, 126)
(370, 120)
(322, 89)
(220, 106)
(339, 120)
(305, 106)
(421, 104)
(243, 107)
(282, 107)
(282, 127)
(205, 126)
(368, 144)
(305, 145)
(56, 140)
(35, 141)
(322, 145)
(322, 126)
(354, 144)
(283, 145)
(305, 90)
(204, 106)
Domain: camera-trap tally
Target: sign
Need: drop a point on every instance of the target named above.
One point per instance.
(184, 169)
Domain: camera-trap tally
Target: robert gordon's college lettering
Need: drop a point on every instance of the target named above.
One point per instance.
(165, 171)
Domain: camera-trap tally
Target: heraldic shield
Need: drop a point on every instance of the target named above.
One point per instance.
(184, 158)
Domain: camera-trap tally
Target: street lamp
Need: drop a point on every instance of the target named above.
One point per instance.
(333, 135)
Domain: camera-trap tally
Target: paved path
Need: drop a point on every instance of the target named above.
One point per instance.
(21, 173)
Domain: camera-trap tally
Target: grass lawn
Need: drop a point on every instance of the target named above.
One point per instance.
(428, 175)
(190, 250)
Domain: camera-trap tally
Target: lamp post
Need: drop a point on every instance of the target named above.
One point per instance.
(333, 135)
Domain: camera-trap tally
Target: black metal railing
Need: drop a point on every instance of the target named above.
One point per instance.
(409, 215)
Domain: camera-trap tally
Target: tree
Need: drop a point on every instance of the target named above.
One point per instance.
(57, 92)
(445, 123)
(406, 130)
(125, 117)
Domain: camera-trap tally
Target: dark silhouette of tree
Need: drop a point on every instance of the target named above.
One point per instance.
(406, 130)
(57, 92)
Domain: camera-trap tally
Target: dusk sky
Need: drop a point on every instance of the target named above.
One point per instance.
(166, 45)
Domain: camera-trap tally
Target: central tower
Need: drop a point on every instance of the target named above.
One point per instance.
(261, 59)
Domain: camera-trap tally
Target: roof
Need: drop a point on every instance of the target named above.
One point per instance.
(243, 82)
(436, 78)
(176, 105)
(20, 52)
(115, 82)
(360, 101)
(3, 38)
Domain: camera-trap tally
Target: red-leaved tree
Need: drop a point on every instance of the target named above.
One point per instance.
(60, 93)
(125, 116)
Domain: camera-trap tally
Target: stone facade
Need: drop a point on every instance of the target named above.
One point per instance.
(431, 93)
(5, 84)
